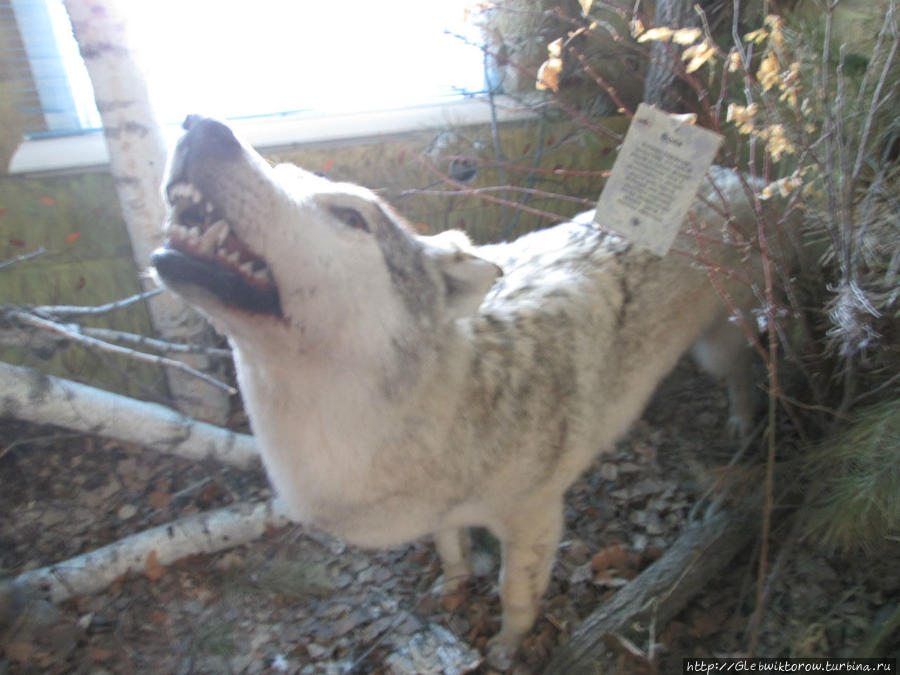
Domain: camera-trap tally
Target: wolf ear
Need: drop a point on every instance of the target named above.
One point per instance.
(467, 278)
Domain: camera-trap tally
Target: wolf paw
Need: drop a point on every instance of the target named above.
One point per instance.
(451, 585)
(500, 653)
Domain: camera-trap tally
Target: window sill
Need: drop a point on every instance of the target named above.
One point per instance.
(88, 150)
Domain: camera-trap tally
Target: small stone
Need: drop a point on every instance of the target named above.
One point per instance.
(317, 651)
(127, 511)
(382, 574)
(609, 471)
(577, 552)
(342, 580)
(366, 576)
(347, 623)
(654, 524)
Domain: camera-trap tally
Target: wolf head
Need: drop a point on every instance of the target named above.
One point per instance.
(284, 252)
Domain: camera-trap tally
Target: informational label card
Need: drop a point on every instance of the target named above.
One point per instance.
(655, 178)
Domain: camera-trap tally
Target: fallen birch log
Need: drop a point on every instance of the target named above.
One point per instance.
(654, 596)
(43, 399)
(146, 551)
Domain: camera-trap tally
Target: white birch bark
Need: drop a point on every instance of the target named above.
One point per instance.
(137, 162)
(207, 532)
(31, 396)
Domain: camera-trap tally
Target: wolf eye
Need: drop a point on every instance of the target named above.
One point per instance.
(350, 218)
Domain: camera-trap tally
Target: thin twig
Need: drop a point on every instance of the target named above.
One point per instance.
(602, 83)
(554, 217)
(73, 332)
(134, 339)
(876, 95)
(510, 227)
(57, 311)
(503, 188)
(23, 257)
(521, 168)
(773, 400)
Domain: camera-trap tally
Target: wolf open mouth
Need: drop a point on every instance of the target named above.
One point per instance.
(201, 249)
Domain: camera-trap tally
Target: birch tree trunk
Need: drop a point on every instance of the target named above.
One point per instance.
(137, 162)
(208, 532)
(43, 399)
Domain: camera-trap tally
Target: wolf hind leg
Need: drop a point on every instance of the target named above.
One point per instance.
(529, 545)
(453, 549)
(724, 351)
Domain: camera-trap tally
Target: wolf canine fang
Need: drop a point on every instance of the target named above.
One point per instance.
(402, 385)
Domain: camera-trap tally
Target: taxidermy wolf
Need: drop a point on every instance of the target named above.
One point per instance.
(403, 385)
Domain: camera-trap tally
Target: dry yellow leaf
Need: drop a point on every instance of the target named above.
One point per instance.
(768, 71)
(554, 49)
(757, 36)
(152, 569)
(661, 33)
(741, 116)
(776, 23)
(585, 6)
(698, 54)
(548, 74)
(777, 143)
(636, 26)
(686, 36)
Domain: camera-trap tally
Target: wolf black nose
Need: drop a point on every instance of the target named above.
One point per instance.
(209, 136)
(204, 143)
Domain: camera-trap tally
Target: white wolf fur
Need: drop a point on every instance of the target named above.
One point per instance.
(401, 386)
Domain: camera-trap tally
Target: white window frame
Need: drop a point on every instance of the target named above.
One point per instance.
(86, 149)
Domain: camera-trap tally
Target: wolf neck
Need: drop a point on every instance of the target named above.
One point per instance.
(322, 420)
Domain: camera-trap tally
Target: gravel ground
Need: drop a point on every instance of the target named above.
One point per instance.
(298, 601)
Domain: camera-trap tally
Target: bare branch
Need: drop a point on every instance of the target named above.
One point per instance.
(521, 168)
(505, 188)
(889, 22)
(110, 335)
(23, 257)
(57, 311)
(73, 332)
(553, 217)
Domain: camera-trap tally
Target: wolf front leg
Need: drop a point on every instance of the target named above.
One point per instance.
(529, 545)
(724, 351)
(453, 549)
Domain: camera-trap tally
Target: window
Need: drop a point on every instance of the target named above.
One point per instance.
(52, 82)
(291, 71)
(236, 59)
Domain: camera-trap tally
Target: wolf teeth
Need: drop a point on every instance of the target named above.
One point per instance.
(215, 235)
(211, 241)
(186, 190)
(222, 231)
(208, 241)
(178, 231)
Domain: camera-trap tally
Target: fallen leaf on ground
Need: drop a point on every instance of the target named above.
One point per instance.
(152, 569)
